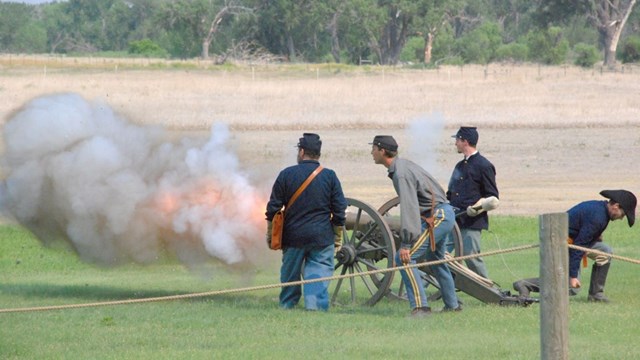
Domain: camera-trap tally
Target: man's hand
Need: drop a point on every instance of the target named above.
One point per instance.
(471, 212)
(574, 283)
(405, 256)
(475, 209)
(337, 238)
(269, 232)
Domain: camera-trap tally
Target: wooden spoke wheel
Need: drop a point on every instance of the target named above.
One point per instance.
(368, 244)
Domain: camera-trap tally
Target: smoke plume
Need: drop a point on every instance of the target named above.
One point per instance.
(424, 135)
(117, 192)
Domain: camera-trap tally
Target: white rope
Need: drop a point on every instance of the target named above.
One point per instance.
(263, 287)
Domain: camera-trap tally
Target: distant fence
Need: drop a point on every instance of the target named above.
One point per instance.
(497, 71)
(97, 62)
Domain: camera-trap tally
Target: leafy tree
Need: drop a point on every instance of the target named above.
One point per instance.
(394, 34)
(57, 23)
(513, 16)
(193, 25)
(578, 30)
(610, 18)
(12, 16)
(360, 29)
(30, 38)
(548, 46)
(299, 28)
(88, 24)
(432, 17)
(444, 49)
(141, 18)
(120, 24)
(480, 45)
(607, 16)
(337, 9)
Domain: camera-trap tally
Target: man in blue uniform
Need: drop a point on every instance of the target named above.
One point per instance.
(419, 194)
(587, 221)
(473, 180)
(313, 226)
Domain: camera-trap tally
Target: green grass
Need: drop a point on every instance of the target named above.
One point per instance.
(251, 326)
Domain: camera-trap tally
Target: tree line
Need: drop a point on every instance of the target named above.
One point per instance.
(384, 32)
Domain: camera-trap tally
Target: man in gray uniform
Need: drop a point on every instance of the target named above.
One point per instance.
(421, 197)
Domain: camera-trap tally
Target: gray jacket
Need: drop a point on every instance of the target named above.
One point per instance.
(413, 185)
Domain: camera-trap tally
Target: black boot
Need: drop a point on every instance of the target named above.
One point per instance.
(598, 279)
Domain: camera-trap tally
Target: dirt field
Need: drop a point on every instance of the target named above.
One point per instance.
(557, 136)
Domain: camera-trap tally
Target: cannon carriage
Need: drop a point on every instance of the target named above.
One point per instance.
(370, 244)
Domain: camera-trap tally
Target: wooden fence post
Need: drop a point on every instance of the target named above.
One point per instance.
(554, 286)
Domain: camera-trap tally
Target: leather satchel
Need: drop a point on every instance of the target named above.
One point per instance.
(278, 219)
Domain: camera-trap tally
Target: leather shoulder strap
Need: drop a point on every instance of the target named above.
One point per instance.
(304, 186)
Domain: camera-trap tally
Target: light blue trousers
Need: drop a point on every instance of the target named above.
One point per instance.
(308, 263)
(421, 251)
(471, 245)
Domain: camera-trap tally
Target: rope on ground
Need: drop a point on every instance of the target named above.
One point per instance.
(264, 287)
(468, 272)
(597, 252)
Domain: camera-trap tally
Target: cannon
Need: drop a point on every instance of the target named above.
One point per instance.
(370, 242)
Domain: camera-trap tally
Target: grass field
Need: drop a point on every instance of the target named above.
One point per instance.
(251, 326)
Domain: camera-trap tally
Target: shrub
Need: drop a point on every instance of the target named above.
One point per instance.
(147, 48)
(413, 50)
(631, 50)
(512, 52)
(586, 55)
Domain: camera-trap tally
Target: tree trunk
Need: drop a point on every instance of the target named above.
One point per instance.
(394, 38)
(291, 48)
(205, 49)
(335, 42)
(213, 29)
(428, 47)
(610, 26)
(610, 50)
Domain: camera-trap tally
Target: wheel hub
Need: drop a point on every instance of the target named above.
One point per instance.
(347, 254)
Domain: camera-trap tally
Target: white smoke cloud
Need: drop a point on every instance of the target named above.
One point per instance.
(424, 135)
(117, 192)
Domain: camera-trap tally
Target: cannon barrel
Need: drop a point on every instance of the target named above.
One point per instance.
(352, 219)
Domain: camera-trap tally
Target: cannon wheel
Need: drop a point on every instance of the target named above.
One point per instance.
(390, 211)
(368, 244)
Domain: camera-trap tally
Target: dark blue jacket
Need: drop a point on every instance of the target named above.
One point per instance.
(472, 179)
(322, 204)
(587, 221)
